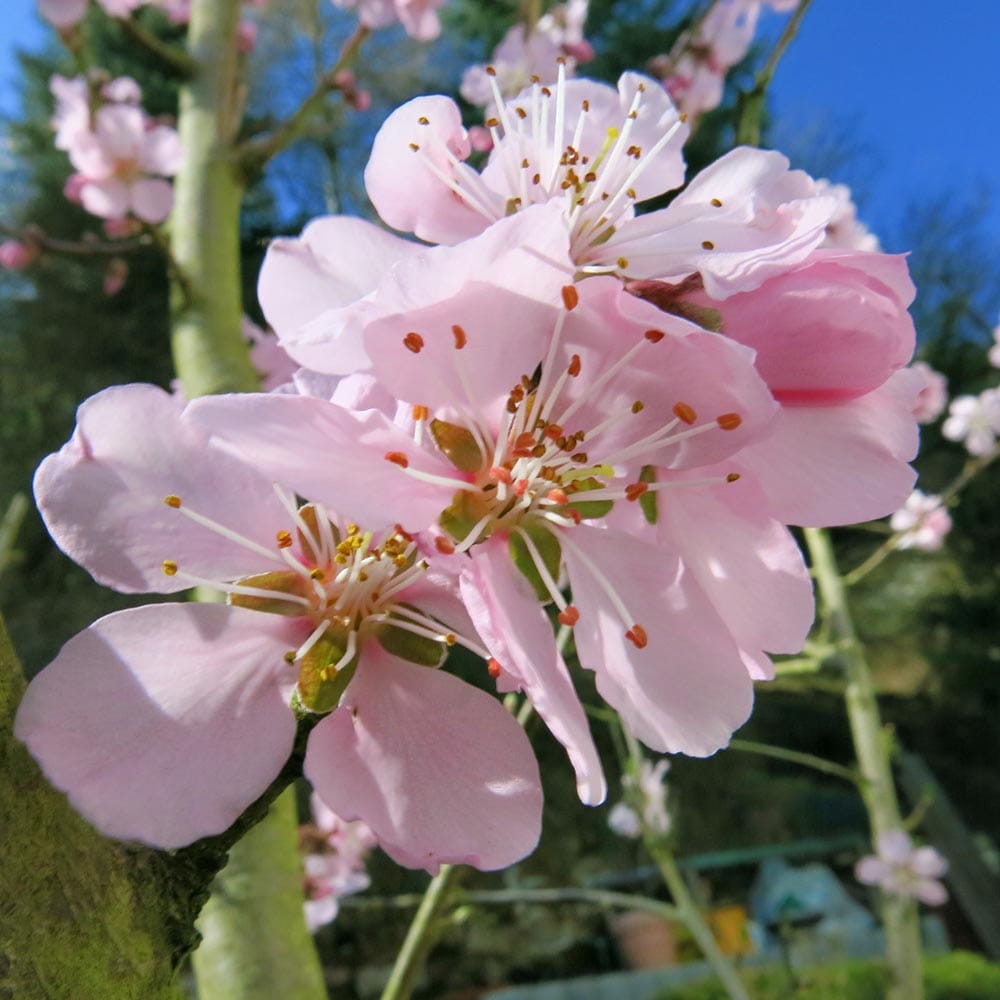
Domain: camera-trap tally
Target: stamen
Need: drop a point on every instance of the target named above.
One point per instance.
(169, 567)
(460, 338)
(493, 667)
(172, 501)
(569, 616)
(729, 421)
(284, 539)
(413, 342)
(637, 636)
(685, 413)
(397, 458)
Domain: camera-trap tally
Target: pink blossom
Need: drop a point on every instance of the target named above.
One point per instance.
(73, 187)
(72, 109)
(115, 276)
(125, 160)
(530, 506)
(62, 13)
(922, 521)
(335, 854)
(164, 722)
(246, 36)
(418, 17)
(523, 54)
(644, 806)
(900, 869)
(933, 395)
(270, 359)
(121, 8)
(743, 219)
(994, 351)
(16, 255)
(974, 420)
(845, 230)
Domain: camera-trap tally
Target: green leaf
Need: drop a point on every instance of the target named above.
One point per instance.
(648, 500)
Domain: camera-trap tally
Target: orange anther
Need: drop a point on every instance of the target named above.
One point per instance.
(717, 202)
(637, 636)
(421, 413)
(397, 458)
(520, 487)
(570, 297)
(558, 496)
(494, 668)
(654, 336)
(284, 539)
(423, 121)
(729, 421)
(635, 490)
(169, 567)
(569, 616)
(443, 545)
(573, 514)
(172, 501)
(732, 477)
(574, 366)
(413, 342)
(685, 413)
(707, 245)
(460, 339)
(553, 432)
(501, 475)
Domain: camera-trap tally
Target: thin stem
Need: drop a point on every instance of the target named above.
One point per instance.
(421, 935)
(751, 104)
(174, 60)
(872, 746)
(254, 154)
(971, 470)
(74, 248)
(688, 912)
(797, 757)
(10, 526)
(516, 897)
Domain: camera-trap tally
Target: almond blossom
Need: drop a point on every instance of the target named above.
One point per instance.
(900, 869)
(975, 421)
(125, 160)
(164, 722)
(519, 475)
(933, 395)
(334, 862)
(418, 17)
(525, 53)
(598, 152)
(924, 523)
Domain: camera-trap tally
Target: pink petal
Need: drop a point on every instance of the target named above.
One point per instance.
(163, 723)
(438, 769)
(518, 634)
(405, 184)
(102, 495)
(831, 329)
(106, 199)
(306, 283)
(62, 13)
(748, 564)
(871, 870)
(688, 689)
(770, 219)
(828, 465)
(931, 892)
(152, 199)
(330, 455)
(502, 290)
(926, 861)
(161, 152)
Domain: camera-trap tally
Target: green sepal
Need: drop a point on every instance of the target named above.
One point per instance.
(310, 518)
(321, 694)
(548, 548)
(648, 500)
(588, 509)
(705, 316)
(458, 445)
(463, 514)
(407, 645)
(285, 581)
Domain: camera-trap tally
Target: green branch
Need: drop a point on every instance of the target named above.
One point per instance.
(176, 61)
(751, 102)
(797, 757)
(254, 154)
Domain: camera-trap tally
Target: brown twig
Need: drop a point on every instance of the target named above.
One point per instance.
(75, 248)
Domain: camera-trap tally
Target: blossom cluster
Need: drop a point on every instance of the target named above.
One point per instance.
(122, 156)
(644, 804)
(900, 869)
(565, 416)
(695, 74)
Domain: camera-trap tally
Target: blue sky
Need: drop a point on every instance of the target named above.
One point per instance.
(902, 92)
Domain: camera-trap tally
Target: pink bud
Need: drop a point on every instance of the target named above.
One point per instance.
(115, 276)
(73, 186)
(16, 256)
(480, 139)
(246, 37)
(582, 51)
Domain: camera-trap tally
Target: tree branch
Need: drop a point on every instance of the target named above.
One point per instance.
(174, 60)
(254, 154)
(75, 248)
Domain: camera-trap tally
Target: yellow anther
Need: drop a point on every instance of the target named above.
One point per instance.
(450, 639)
(290, 656)
(317, 574)
(169, 567)
(352, 529)
(284, 539)
(172, 501)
